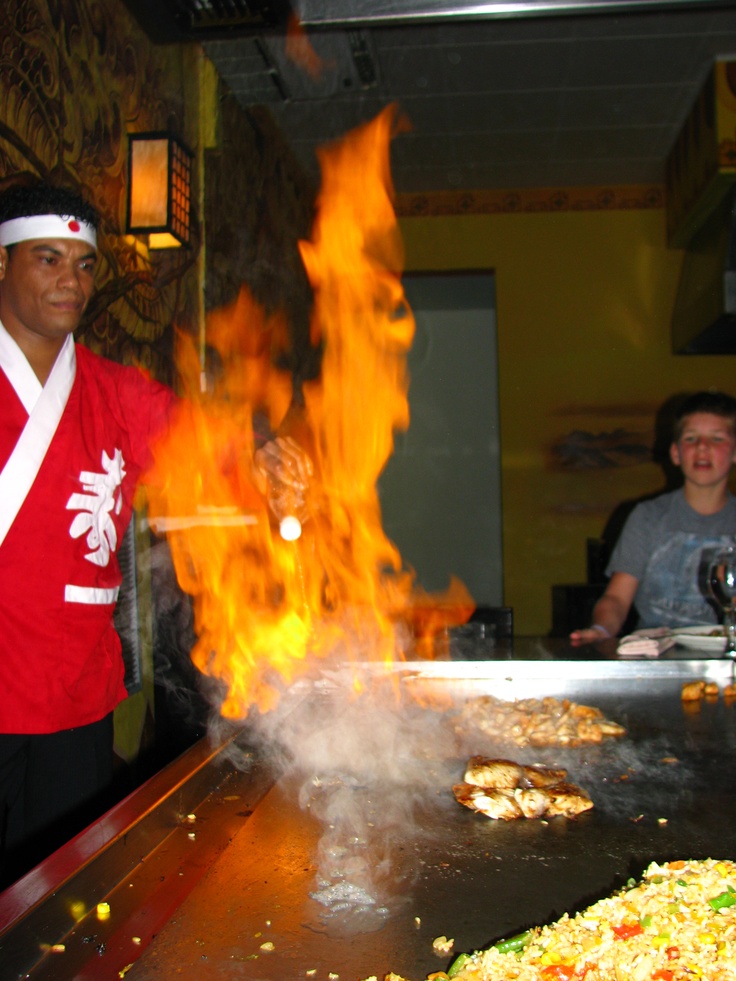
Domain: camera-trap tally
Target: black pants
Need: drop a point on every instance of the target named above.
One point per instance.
(51, 787)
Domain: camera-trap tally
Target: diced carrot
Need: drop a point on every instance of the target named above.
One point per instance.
(626, 930)
(558, 972)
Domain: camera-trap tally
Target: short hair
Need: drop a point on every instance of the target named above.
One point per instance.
(23, 200)
(713, 402)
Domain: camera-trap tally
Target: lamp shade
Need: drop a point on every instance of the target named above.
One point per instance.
(159, 189)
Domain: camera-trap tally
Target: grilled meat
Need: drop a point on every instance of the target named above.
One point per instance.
(505, 791)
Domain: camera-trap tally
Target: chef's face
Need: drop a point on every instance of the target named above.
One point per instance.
(45, 285)
(706, 450)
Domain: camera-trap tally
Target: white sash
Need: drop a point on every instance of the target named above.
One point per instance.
(45, 411)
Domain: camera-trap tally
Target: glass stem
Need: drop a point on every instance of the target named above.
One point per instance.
(729, 625)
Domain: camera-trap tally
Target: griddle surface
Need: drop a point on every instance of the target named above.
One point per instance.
(458, 874)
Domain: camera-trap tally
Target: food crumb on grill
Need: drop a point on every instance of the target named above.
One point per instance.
(441, 945)
(662, 821)
(136, 940)
(417, 921)
(268, 946)
(332, 976)
(58, 948)
(192, 835)
(103, 911)
(191, 818)
(313, 970)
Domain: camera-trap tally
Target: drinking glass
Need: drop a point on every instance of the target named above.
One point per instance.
(722, 585)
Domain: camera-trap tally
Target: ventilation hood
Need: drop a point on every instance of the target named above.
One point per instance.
(362, 12)
(187, 20)
(704, 317)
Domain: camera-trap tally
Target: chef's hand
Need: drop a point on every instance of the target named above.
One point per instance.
(283, 474)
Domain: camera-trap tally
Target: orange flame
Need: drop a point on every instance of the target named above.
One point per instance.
(265, 608)
(299, 49)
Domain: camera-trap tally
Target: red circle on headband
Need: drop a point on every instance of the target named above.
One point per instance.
(74, 226)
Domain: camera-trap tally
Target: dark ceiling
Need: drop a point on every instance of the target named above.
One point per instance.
(499, 95)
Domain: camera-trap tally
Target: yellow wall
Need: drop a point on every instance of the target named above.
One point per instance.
(584, 300)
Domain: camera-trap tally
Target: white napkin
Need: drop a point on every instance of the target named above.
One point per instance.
(646, 643)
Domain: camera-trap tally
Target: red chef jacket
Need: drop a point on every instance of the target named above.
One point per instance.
(72, 453)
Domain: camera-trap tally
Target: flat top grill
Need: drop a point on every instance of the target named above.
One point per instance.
(203, 896)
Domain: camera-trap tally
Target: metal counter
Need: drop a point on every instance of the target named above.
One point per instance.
(207, 862)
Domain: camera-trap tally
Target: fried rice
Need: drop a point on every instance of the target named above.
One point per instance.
(677, 924)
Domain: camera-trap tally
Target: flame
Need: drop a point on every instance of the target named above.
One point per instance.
(266, 608)
(299, 49)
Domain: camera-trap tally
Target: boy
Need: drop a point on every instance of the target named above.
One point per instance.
(655, 563)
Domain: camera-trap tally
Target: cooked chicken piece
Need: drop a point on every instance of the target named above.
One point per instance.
(609, 728)
(543, 776)
(504, 790)
(711, 689)
(533, 801)
(693, 691)
(497, 804)
(496, 774)
(465, 793)
(585, 711)
(567, 800)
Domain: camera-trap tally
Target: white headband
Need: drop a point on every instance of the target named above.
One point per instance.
(46, 226)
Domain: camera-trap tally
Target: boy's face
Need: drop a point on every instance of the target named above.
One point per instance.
(706, 450)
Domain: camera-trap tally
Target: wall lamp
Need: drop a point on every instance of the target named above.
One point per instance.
(159, 189)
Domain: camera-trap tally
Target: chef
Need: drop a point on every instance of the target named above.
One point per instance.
(75, 433)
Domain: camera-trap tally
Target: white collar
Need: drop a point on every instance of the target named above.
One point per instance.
(21, 375)
(23, 464)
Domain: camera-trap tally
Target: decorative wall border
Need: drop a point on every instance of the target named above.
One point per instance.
(529, 200)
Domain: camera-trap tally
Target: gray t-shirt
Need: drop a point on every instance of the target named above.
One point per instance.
(661, 545)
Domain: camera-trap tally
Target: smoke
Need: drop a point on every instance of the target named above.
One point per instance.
(364, 758)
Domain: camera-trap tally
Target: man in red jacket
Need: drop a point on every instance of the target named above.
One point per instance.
(75, 432)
